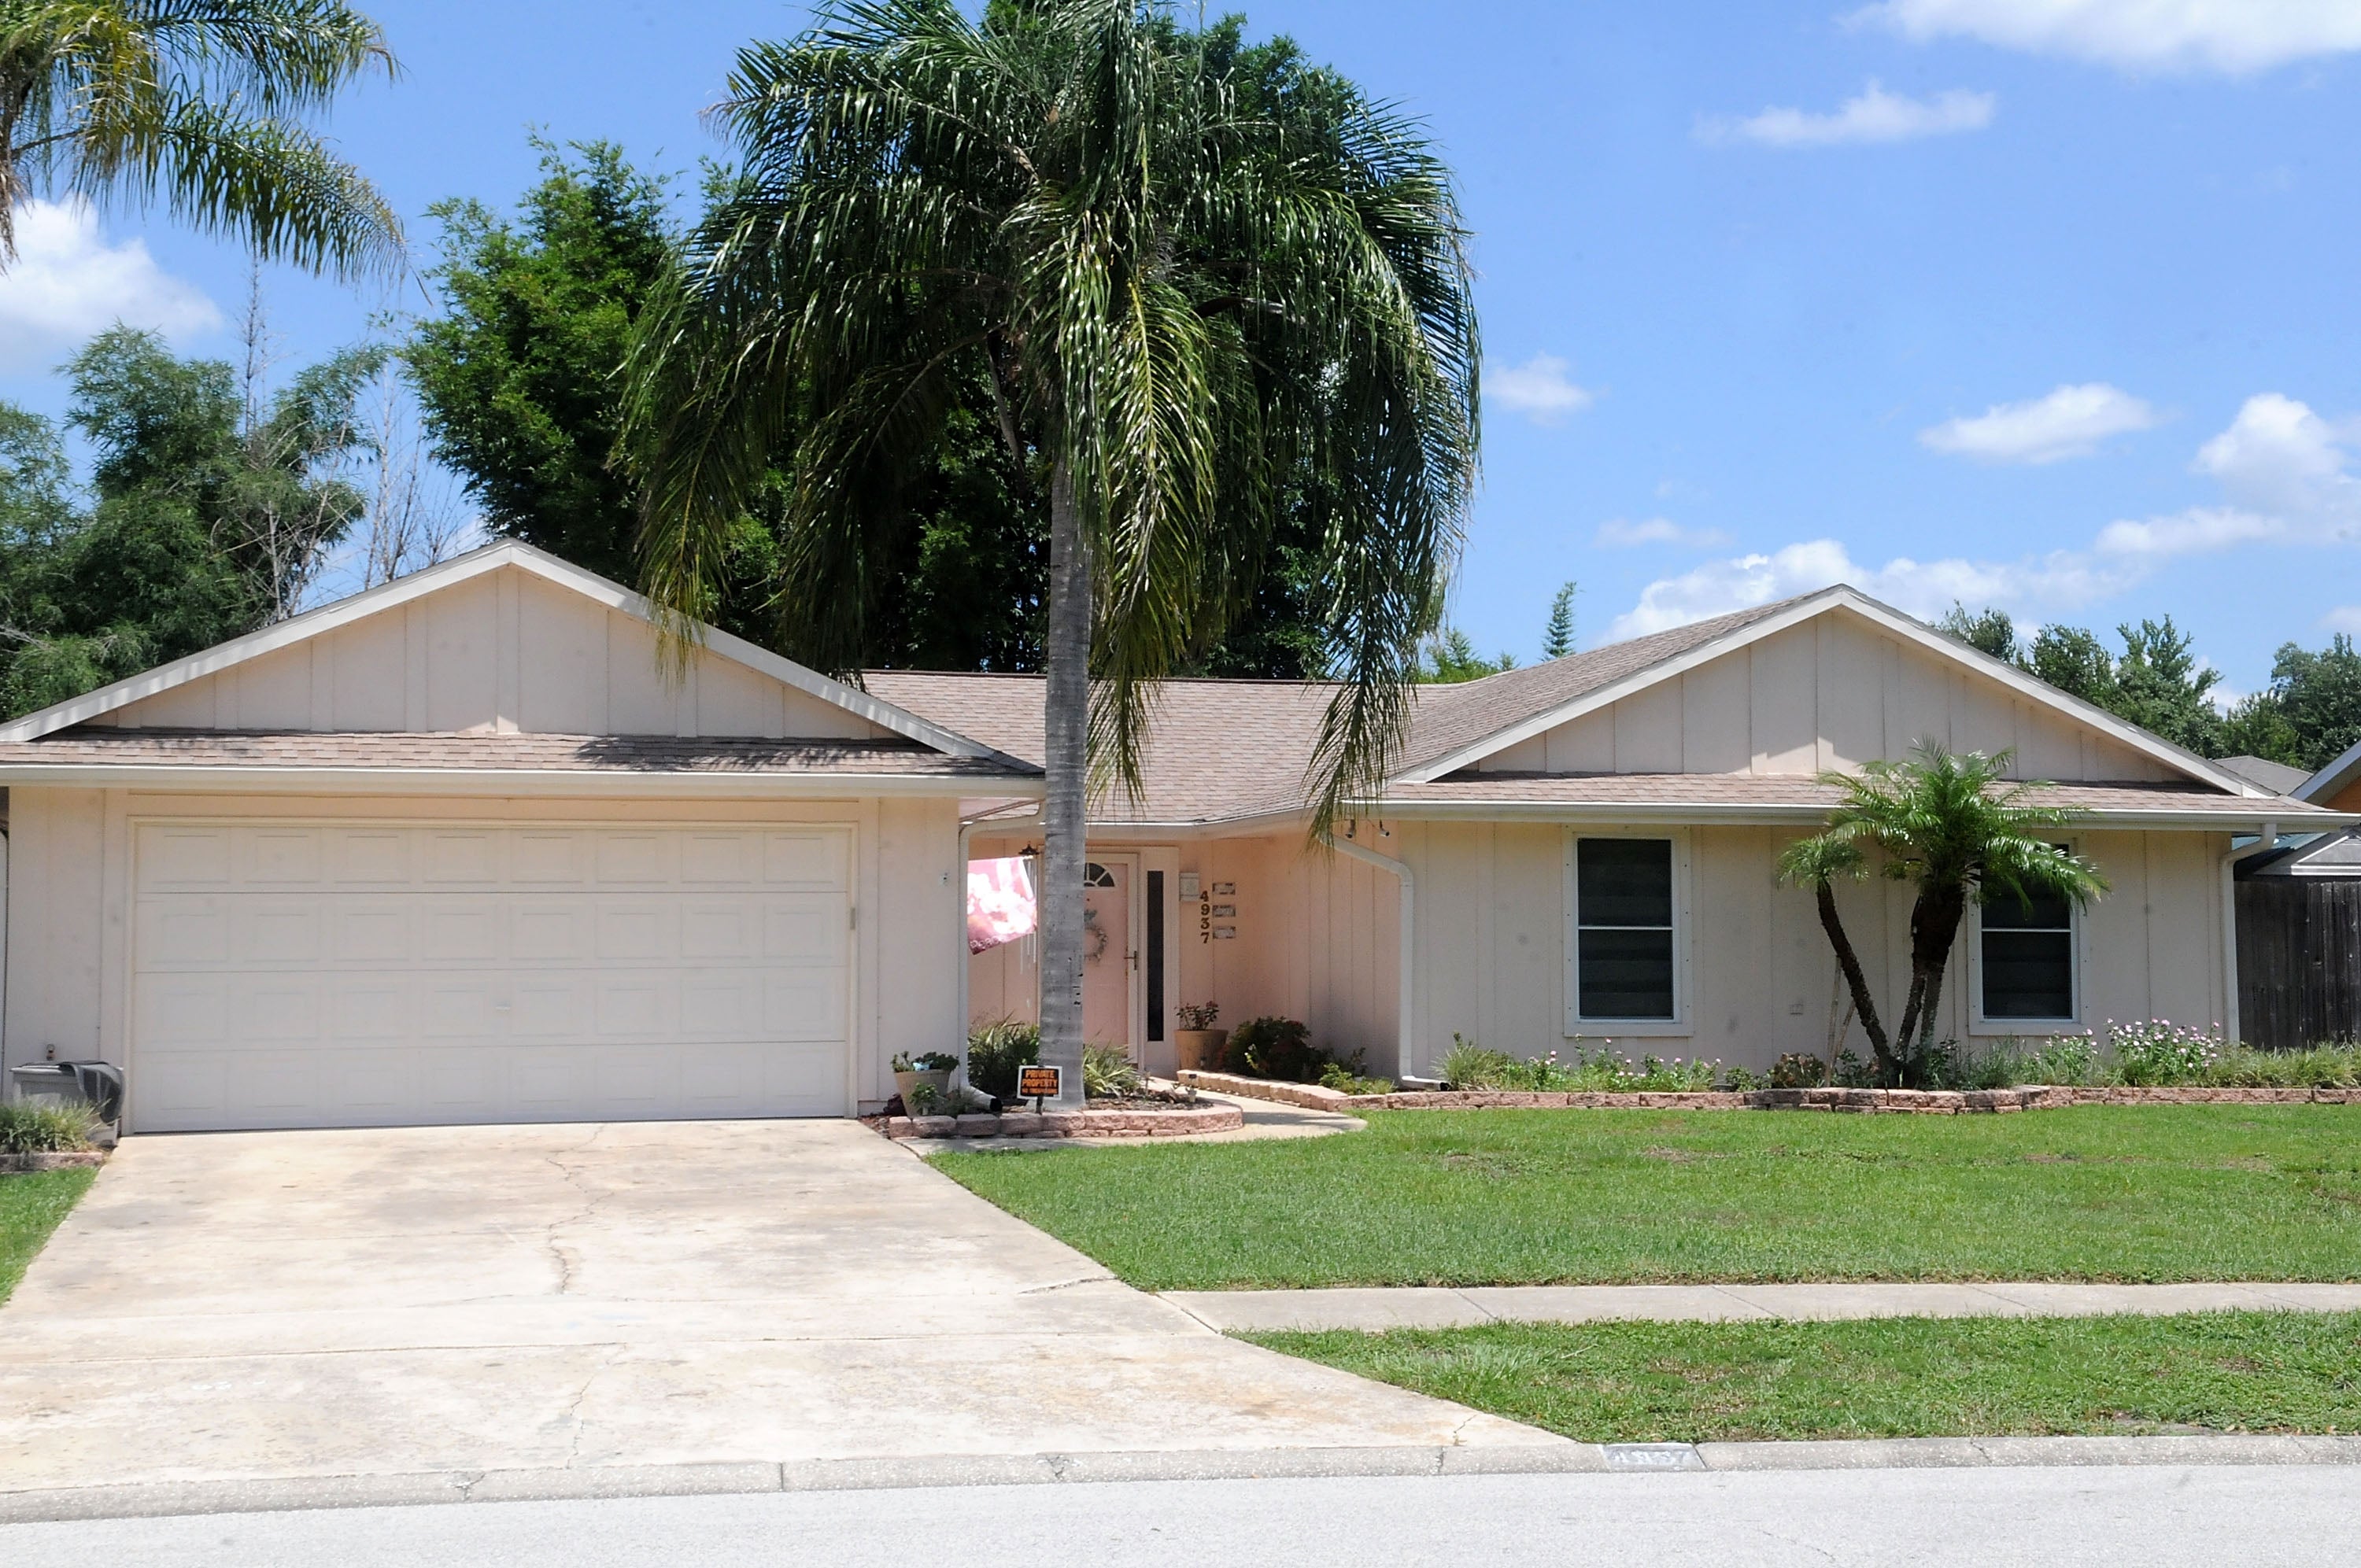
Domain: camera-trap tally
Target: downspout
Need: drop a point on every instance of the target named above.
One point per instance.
(2230, 859)
(1407, 1033)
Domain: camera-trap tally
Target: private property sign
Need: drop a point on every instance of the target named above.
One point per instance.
(1040, 1083)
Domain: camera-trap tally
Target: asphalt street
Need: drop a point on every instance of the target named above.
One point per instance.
(2153, 1516)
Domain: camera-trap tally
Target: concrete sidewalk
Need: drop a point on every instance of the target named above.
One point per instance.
(1421, 1307)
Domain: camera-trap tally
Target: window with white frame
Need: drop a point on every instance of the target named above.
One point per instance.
(1625, 955)
(2026, 956)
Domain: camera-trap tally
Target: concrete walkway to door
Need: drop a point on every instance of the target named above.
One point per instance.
(237, 1307)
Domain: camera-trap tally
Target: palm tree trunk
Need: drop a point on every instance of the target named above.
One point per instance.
(1066, 658)
(1850, 962)
(1933, 927)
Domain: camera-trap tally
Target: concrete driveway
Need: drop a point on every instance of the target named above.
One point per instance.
(453, 1300)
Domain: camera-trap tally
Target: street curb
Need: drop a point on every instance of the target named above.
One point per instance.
(164, 1499)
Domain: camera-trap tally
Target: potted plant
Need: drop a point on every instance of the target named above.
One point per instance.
(932, 1068)
(1198, 1043)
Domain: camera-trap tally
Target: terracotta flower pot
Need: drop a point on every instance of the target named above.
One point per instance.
(1201, 1049)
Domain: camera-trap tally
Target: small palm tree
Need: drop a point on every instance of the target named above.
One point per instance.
(1196, 298)
(203, 104)
(1950, 823)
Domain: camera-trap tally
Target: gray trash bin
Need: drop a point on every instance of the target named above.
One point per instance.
(101, 1084)
(45, 1083)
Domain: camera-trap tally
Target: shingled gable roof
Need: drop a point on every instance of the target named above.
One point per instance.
(1473, 723)
(1223, 750)
(81, 710)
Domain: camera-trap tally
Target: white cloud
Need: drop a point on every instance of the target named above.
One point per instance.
(1876, 116)
(2234, 36)
(2070, 423)
(67, 283)
(2344, 617)
(1623, 533)
(2285, 478)
(1539, 388)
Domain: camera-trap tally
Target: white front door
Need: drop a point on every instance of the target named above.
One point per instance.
(311, 974)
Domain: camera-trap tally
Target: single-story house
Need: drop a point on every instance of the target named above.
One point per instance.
(461, 847)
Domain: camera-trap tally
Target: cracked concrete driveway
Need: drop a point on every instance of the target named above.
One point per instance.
(289, 1305)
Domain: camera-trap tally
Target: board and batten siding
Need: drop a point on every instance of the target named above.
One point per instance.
(1835, 691)
(1760, 977)
(504, 652)
(70, 887)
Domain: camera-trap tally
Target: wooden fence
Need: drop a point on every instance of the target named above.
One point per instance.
(2298, 961)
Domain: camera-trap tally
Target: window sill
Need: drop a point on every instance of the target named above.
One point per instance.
(1630, 1029)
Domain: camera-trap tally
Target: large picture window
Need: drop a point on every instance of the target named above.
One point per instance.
(2027, 959)
(1624, 949)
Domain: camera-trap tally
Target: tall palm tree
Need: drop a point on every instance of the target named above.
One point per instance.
(201, 102)
(1950, 823)
(1197, 299)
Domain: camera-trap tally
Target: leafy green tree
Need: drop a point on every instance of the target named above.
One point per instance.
(1557, 637)
(517, 374)
(1183, 312)
(1950, 824)
(210, 510)
(204, 105)
(2311, 713)
(1449, 656)
(2156, 681)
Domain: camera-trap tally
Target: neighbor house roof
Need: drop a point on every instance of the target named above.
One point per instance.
(2335, 779)
(2276, 777)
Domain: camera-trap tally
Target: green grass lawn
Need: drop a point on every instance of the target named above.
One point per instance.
(1533, 1197)
(1893, 1377)
(31, 1206)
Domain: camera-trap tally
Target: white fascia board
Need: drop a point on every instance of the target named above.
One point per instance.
(459, 569)
(1888, 618)
(2332, 779)
(1759, 815)
(566, 783)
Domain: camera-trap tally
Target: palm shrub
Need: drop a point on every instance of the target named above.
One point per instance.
(1950, 824)
(1203, 298)
(995, 1052)
(1109, 1073)
(203, 104)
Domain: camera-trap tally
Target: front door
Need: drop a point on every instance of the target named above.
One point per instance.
(1109, 954)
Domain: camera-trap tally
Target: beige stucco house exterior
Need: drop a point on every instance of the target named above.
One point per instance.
(463, 848)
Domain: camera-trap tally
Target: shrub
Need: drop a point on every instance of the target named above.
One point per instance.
(995, 1052)
(1470, 1066)
(1744, 1081)
(926, 1061)
(1798, 1069)
(1273, 1048)
(1346, 1078)
(1108, 1073)
(1198, 1014)
(29, 1128)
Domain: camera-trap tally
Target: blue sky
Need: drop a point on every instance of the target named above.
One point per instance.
(2048, 303)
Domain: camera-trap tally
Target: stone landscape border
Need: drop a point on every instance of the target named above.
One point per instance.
(1890, 1101)
(59, 1160)
(1187, 1120)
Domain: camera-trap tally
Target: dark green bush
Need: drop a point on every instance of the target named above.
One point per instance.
(995, 1052)
(1798, 1069)
(1273, 1048)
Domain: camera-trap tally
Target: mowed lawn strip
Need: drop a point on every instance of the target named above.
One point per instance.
(31, 1206)
(2283, 1372)
(2136, 1193)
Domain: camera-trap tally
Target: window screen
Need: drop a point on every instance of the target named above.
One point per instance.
(2029, 957)
(1623, 927)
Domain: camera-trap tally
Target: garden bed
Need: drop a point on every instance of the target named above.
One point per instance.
(1131, 1120)
(1911, 1101)
(54, 1159)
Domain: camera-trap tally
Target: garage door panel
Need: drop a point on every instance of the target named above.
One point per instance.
(816, 860)
(343, 974)
(278, 856)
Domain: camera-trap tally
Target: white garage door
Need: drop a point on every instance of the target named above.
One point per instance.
(294, 974)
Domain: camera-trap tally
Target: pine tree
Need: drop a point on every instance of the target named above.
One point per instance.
(1557, 638)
